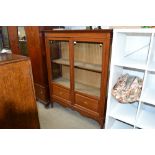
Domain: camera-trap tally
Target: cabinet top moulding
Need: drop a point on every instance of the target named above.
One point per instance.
(100, 34)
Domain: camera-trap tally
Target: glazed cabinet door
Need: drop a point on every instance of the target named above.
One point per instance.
(88, 67)
(59, 70)
(59, 56)
(88, 55)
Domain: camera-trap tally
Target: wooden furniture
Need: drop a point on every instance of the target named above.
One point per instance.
(13, 38)
(77, 62)
(32, 45)
(133, 52)
(18, 108)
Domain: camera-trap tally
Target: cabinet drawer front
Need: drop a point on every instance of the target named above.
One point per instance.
(86, 102)
(61, 92)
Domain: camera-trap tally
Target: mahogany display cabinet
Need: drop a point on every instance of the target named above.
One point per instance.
(77, 63)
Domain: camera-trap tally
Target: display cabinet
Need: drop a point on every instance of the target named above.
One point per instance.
(77, 62)
(29, 41)
(133, 52)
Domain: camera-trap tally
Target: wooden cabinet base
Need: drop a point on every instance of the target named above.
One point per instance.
(85, 105)
(86, 102)
(61, 101)
(89, 113)
(81, 110)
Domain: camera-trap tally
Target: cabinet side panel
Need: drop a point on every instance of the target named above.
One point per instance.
(36, 50)
(18, 105)
(35, 53)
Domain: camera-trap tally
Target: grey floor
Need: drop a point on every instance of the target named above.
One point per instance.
(59, 117)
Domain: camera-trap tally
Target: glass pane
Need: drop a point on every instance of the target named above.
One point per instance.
(5, 37)
(22, 40)
(60, 62)
(87, 67)
(1, 42)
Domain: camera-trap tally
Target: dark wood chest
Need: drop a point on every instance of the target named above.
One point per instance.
(18, 107)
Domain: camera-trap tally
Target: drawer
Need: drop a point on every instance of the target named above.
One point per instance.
(61, 92)
(86, 102)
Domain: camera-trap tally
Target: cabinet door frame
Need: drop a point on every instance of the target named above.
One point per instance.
(49, 66)
(104, 73)
(87, 40)
(105, 70)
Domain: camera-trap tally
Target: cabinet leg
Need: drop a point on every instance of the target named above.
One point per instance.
(48, 104)
(51, 104)
(102, 125)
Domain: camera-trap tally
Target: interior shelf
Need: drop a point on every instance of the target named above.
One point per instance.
(61, 61)
(89, 66)
(124, 112)
(87, 89)
(117, 124)
(62, 81)
(120, 125)
(131, 64)
(79, 86)
(146, 118)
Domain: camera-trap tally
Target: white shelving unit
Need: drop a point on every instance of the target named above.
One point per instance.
(133, 52)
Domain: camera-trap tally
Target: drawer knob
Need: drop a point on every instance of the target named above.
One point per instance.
(101, 45)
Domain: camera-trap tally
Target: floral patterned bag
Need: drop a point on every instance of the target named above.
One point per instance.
(127, 89)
